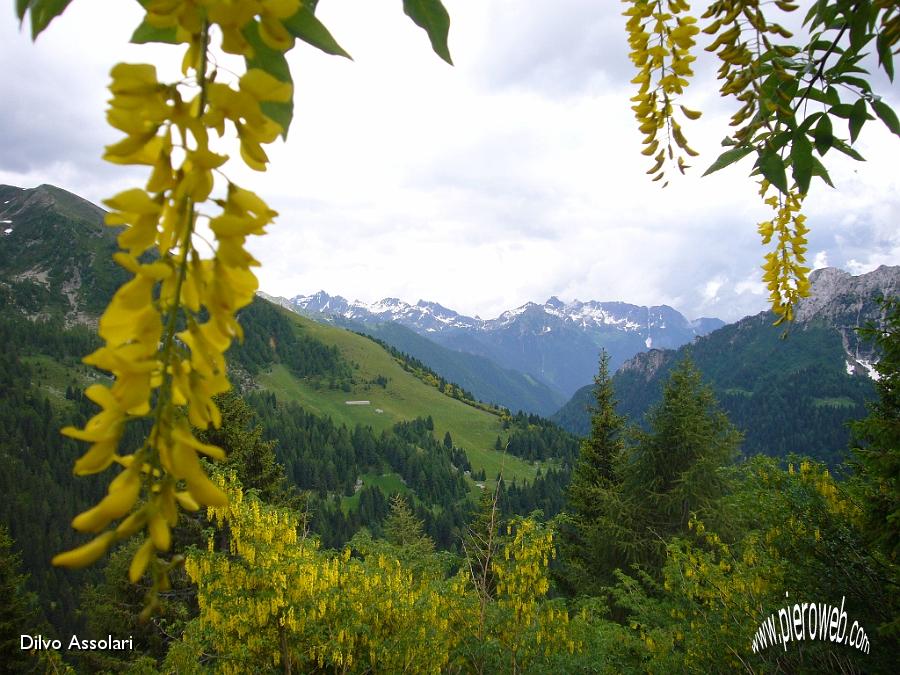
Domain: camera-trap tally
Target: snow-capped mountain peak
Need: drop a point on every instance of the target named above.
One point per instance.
(425, 315)
(555, 342)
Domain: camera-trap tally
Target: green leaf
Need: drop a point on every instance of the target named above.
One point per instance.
(844, 110)
(847, 150)
(814, 15)
(433, 17)
(771, 166)
(886, 115)
(305, 26)
(823, 135)
(856, 82)
(858, 118)
(42, 13)
(275, 64)
(801, 162)
(814, 94)
(729, 157)
(146, 33)
(824, 46)
(885, 56)
(808, 122)
(820, 171)
(859, 25)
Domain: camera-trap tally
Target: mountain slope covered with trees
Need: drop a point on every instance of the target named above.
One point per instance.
(766, 379)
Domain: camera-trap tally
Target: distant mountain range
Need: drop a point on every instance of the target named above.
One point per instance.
(554, 344)
(787, 393)
(431, 317)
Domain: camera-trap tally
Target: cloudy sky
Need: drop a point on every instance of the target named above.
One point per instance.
(513, 176)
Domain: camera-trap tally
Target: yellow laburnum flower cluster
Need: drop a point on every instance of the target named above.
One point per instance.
(335, 611)
(166, 330)
(275, 596)
(528, 626)
(783, 272)
(742, 58)
(661, 37)
(231, 17)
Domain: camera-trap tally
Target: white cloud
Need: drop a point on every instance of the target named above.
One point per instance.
(514, 176)
(821, 260)
(751, 285)
(711, 289)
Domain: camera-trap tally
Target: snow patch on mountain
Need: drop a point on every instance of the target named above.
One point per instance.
(870, 369)
(431, 317)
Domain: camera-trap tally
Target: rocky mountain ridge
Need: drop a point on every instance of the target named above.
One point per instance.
(556, 343)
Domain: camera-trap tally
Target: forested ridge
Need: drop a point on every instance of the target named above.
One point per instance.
(764, 383)
(653, 529)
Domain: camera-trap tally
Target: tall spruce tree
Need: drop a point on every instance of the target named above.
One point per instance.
(250, 456)
(599, 451)
(403, 529)
(673, 470)
(590, 530)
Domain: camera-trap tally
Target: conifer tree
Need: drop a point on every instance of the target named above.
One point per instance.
(673, 471)
(589, 532)
(404, 530)
(600, 450)
(249, 455)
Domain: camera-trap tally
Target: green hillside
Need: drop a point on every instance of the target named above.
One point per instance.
(401, 396)
(478, 374)
(57, 262)
(56, 258)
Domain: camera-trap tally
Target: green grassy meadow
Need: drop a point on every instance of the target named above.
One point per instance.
(404, 398)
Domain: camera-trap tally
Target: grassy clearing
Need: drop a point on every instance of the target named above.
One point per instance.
(52, 377)
(404, 398)
(389, 483)
(835, 402)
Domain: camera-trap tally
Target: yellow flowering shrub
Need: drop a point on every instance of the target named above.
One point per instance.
(796, 534)
(273, 597)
